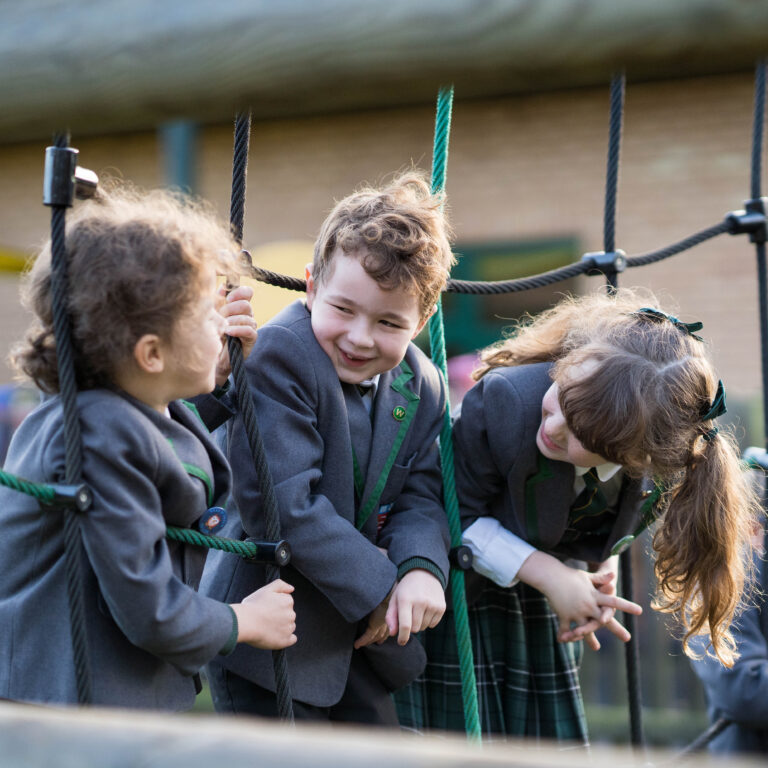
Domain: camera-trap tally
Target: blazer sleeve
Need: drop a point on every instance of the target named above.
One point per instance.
(326, 547)
(123, 534)
(417, 528)
(487, 438)
(741, 693)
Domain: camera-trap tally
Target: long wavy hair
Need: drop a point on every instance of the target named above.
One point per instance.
(136, 261)
(641, 406)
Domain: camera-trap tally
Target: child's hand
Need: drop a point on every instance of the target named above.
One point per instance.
(582, 601)
(266, 619)
(417, 602)
(236, 308)
(604, 582)
(377, 630)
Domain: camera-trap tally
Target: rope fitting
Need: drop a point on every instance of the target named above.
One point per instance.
(605, 262)
(460, 557)
(272, 553)
(63, 180)
(77, 497)
(750, 221)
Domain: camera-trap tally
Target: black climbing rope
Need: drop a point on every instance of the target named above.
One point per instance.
(247, 409)
(61, 188)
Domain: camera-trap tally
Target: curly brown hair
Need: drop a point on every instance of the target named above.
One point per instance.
(399, 232)
(136, 261)
(641, 406)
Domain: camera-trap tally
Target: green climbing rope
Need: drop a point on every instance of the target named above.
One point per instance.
(47, 495)
(41, 492)
(437, 346)
(245, 549)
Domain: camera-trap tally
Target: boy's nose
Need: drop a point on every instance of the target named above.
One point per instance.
(359, 334)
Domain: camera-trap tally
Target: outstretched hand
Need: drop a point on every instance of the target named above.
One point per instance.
(582, 601)
(236, 308)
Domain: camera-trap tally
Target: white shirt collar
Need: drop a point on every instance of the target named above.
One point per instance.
(604, 471)
(373, 383)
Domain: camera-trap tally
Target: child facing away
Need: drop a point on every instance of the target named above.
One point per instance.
(146, 331)
(349, 411)
(592, 421)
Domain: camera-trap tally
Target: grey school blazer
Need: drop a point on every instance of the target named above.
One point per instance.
(148, 630)
(500, 472)
(339, 574)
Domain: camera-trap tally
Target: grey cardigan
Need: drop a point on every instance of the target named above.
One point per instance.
(339, 574)
(148, 630)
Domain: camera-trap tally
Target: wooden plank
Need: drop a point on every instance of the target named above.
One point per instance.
(107, 65)
(93, 738)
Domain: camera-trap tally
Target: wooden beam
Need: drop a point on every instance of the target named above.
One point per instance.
(100, 66)
(93, 738)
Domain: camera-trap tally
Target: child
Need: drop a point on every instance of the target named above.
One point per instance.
(349, 411)
(590, 422)
(142, 276)
(739, 694)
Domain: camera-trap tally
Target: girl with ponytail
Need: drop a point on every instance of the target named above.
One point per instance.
(590, 423)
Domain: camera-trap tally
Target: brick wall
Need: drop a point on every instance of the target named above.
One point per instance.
(519, 167)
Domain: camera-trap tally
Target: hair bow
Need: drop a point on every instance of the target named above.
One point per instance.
(657, 314)
(717, 408)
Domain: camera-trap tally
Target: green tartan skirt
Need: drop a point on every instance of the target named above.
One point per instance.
(527, 682)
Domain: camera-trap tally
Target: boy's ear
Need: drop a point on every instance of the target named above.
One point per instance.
(148, 353)
(421, 325)
(310, 285)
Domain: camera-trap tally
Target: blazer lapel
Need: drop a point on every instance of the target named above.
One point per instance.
(546, 516)
(360, 433)
(394, 409)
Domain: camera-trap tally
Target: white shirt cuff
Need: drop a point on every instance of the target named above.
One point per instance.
(497, 553)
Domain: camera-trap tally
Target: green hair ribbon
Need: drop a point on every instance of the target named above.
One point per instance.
(657, 314)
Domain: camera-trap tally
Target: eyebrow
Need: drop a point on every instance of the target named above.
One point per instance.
(393, 317)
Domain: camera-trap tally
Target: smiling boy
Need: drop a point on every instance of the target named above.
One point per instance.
(349, 410)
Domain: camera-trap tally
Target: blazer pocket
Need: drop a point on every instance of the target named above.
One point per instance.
(398, 474)
(396, 665)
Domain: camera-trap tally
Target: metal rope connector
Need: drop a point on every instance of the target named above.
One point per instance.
(63, 180)
(750, 221)
(77, 497)
(460, 557)
(276, 553)
(605, 262)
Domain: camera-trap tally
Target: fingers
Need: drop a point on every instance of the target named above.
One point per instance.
(371, 635)
(278, 585)
(619, 603)
(619, 630)
(592, 642)
(405, 617)
(391, 618)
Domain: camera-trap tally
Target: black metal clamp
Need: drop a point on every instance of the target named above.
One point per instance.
(750, 221)
(77, 497)
(63, 180)
(460, 557)
(605, 262)
(271, 552)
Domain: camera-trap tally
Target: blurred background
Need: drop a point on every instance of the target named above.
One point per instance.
(343, 92)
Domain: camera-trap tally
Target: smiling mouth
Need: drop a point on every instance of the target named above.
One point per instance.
(547, 442)
(354, 362)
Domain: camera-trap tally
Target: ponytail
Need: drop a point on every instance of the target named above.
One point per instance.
(702, 545)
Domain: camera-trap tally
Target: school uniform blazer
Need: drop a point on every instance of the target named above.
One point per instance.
(498, 469)
(740, 693)
(148, 630)
(339, 575)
